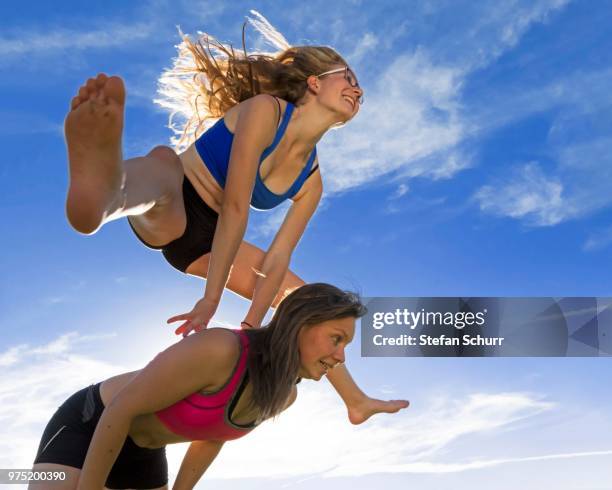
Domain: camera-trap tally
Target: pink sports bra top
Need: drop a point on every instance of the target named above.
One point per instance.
(209, 416)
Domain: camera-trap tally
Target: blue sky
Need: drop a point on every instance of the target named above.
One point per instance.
(479, 165)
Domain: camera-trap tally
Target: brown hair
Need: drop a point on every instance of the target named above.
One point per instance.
(274, 357)
(208, 77)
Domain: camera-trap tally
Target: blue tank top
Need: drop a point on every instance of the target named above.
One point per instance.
(214, 148)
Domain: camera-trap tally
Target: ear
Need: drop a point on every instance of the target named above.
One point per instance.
(313, 84)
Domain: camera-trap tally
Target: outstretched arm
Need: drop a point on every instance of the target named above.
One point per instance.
(277, 259)
(198, 458)
(255, 130)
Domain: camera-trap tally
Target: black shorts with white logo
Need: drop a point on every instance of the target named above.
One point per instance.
(67, 436)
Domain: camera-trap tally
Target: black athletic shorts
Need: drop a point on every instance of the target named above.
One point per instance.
(67, 436)
(197, 238)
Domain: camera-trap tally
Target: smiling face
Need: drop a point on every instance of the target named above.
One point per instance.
(322, 346)
(335, 92)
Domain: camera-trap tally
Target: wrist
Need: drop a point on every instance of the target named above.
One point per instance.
(211, 298)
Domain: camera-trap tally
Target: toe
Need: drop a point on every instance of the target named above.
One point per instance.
(115, 90)
(83, 93)
(101, 80)
(75, 102)
(91, 84)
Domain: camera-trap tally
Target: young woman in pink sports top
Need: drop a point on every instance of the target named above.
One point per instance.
(211, 387)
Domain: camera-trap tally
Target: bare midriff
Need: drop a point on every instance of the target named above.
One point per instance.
(278, 171)
(200, 177)
(148, 431)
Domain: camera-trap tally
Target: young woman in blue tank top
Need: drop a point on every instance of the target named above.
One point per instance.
(271, 110)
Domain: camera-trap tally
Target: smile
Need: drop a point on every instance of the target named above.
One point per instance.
(352, 102)
(326, 366)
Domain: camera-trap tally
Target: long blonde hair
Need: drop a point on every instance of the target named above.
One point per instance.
(208, 77)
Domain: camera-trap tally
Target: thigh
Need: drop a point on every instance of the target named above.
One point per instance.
(246, 268)
(137, 467)
(165, 220)
(68, 483)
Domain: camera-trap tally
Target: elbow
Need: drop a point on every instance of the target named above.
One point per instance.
(119, 411)
(237, 209)
(281, 257)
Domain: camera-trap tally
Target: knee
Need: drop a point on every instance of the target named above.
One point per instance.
(166, 154)
(169, 157)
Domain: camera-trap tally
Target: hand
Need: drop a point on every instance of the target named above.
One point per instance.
(197, 319)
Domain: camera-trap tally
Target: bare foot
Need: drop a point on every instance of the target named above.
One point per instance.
(370, 406)
(93, 129)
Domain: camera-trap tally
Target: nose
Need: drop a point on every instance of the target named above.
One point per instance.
(339, 354)
(359, 93)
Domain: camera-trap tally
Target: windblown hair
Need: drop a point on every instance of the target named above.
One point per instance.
(208, 77)
(274, 357)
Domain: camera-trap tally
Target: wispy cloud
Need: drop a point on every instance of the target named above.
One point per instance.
(383, 445)
(59, 40)
(415, 122)
(577, 184)
(493, 28)
(13, 122)
(440, 468)
(366, 45)
(399, 192)
(598, 240)
(35, 381)
(528, 194)
(413, 113)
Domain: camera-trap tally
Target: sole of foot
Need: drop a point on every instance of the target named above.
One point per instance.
(93, 130)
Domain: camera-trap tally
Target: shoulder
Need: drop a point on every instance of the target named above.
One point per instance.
(219, 347)
(262, 104)
(256, 121)
(224, 341)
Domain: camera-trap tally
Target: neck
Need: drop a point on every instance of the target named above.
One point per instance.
(308, 125)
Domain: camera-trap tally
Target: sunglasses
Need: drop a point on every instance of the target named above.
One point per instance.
(349, 76)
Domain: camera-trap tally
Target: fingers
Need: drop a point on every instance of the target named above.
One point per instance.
(187, 327)
(184, 316)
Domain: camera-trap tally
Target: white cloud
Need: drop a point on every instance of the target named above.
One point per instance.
(578, 141)
(35, 381)
(12, 122)
(528, 194)
(439, 468)
(401, 190)
(501, 25)
(60, 40)
(414, 121)
(366, 44)
(318, 440)
(412, 113)
(598, 240)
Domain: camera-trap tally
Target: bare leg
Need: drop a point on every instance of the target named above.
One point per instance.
(242, 282)
(103, 186)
